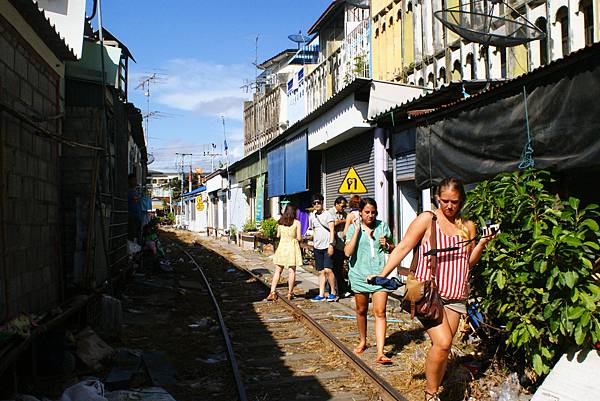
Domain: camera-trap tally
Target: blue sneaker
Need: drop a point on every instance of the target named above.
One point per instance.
(332, 298)
(318, 298)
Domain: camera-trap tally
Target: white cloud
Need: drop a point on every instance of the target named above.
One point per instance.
(204, 88)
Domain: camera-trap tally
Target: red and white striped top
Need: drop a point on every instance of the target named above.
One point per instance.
(453, 266)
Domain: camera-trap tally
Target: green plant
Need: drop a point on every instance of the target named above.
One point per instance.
(232, 230)
(536, 276)
(171, 217)
(249, 225)
(268, 228)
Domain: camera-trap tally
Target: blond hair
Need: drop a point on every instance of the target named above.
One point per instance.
(455, 184)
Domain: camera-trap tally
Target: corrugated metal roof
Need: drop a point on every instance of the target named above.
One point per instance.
(335, 4)
(194, 192)
(496, 88)
(36, 18)
(447, 93)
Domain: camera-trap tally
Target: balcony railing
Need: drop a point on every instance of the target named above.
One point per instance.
(262, 119)
(350, 61)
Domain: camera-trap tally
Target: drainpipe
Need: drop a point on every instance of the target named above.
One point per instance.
(381, 181)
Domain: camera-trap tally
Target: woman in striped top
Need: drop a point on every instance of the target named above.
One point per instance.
(453, 271)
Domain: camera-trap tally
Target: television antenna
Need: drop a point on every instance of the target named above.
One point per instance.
(486, 23)
(144, 85)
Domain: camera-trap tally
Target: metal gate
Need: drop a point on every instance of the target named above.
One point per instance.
(356, 152)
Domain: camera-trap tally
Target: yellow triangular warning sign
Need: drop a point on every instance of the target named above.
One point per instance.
(352, 184)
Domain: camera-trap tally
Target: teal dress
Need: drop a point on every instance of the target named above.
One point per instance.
(368, 257)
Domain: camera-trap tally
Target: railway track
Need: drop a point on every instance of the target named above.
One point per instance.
(288, 349)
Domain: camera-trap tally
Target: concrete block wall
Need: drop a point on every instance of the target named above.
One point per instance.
(29, 178)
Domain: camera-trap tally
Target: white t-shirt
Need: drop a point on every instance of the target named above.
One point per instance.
(318, 224)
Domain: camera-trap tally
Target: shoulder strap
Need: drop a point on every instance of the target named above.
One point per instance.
(320, 222)
(415, 259)
(433, 242)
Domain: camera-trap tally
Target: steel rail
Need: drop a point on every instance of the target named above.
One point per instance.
(241, 390)
(388, 392)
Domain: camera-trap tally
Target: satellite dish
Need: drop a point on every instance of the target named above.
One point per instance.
(150, 159)
(364, 4)
(488, 24)
(299, 38)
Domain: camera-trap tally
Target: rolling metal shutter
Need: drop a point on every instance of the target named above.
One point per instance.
(356, 152)
(405, 167)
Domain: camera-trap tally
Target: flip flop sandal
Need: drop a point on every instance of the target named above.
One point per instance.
(360, 350)
(383, 360)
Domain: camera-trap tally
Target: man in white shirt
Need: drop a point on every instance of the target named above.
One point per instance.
(322, 224)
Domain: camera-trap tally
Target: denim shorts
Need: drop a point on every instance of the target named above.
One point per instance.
(322, 259)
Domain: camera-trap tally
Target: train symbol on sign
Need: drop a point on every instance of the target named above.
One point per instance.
(352, 184)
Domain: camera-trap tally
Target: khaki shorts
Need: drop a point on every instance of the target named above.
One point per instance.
(457, 305)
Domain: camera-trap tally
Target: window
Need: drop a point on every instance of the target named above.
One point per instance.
(585, 7)
(391, 21)
(430, 82)
(562, 18)
(543, 26)
(377, 32)
(399, 15)
(421, 82)
(383, 28)
(442, 76)
(457, 71)
(471, 66)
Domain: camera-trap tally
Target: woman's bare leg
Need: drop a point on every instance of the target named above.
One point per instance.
(379, 305)
(291, 279)
(362, 307)
(275, 278)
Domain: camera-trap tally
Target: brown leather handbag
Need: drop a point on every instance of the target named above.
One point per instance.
(422, 299)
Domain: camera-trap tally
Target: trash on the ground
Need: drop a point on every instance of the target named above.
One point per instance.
(133, 248)
(202, 324)
(147, 394)
(180, 260)
(166, 266)
(572, 378)
(231, 270)
(508, 390)
(160, 370)
(90, 389)
(126, 364)
(91, 349)
(108, 318)
(213, 358)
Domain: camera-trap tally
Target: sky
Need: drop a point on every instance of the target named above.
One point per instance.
(203, 53)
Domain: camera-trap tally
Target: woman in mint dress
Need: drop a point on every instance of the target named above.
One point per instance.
(367, 242)
(288, 254)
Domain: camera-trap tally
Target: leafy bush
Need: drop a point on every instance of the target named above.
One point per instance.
(249, 225)
(536, 276)
(268, 228)
(232, 230)
(171, 217)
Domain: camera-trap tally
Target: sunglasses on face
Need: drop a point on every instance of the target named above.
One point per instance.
(316, 202)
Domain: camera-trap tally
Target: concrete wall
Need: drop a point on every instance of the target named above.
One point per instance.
(29, 180)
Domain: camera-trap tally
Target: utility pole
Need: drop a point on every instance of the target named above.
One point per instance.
(181, 164)
(212, 153)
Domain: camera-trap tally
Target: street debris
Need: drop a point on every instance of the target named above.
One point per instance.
(91, 349)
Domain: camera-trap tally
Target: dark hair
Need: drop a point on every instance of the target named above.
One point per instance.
(317, 197)
(288, 216)
(354, 202)
(453, 184)
(367, 201)
(339, 200)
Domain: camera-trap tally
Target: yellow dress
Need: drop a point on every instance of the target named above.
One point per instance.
(288, 252)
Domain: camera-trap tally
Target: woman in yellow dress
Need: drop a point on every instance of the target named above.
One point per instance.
(288, 252)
